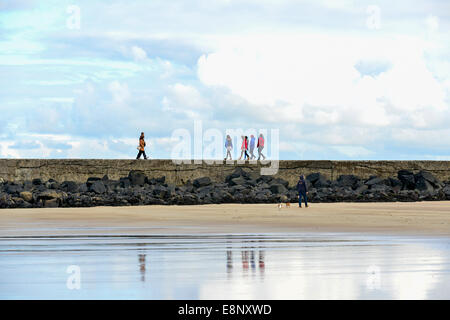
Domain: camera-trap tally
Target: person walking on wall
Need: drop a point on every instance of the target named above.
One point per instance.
(260, 146)
(252, 147)
(243, 147)
(141, 147)
(302, 191)
(228, 146)
(246, 156)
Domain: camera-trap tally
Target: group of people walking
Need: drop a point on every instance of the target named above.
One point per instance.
(301, 184)
(245, 146)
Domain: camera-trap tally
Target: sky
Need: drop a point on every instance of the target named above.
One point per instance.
(337, 79)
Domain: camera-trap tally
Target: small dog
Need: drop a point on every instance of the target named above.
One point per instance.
(280, 205)
(288, 204)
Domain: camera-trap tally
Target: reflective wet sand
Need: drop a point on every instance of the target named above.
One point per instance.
(306, 265)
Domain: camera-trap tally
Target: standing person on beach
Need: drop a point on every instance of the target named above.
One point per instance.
(228, 146)
(260, 146)
(302, 191)
(141, 147)
(252, 147)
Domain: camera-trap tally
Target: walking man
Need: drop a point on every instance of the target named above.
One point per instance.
(302, 191)
(141, 147)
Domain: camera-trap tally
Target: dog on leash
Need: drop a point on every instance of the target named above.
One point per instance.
(287, 205)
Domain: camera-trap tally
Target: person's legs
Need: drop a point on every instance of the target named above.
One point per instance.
(300, 199)
(139, 155)
(306, 199)
(252, 156)
(259, 153)
(145, 156)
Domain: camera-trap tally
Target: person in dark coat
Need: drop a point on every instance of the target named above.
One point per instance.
(302, 191)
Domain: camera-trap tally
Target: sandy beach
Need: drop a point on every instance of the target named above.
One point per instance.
(421, 218)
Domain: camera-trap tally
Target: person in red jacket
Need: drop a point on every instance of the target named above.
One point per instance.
(260, 146)
(244, 148)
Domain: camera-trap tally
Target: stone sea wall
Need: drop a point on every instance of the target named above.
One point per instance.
(79, 170)
(86, 183)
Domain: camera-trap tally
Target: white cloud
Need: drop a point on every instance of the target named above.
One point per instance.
(119, 91)
(186, 100)
(316, 73)
(432, 23)
(138, 53)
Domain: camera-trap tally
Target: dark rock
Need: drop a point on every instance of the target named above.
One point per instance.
(427, 176)
(160, 191)
(27, 186)
(201, 182)
(53, 185)
(253, 175)
(125, 182)
(318, 180)
(36, 181)
(446, 192)
(379, 187)
(161, 180)
(83, 188)
(394, 182)
(374, 180)
(362, 188)
(279, 181)
(423, 184)
(278, 189)
(14, 189)
(92, 179)
(69, 186)
(137, 178)
(237, 181)
(97, 187)
(348, 181)
(407, 179)
(237, 189)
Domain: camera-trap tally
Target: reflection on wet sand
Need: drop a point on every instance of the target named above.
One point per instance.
(248, 260)
(258, 266)
(141, 259)
(142, 266)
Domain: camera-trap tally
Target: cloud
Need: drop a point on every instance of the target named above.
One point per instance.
(16, 4)
(432, 23)
(286, 75)
(138, 53)
(119, 91)
(25, 145)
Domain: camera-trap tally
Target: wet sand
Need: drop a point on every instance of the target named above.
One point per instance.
(414, 218)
